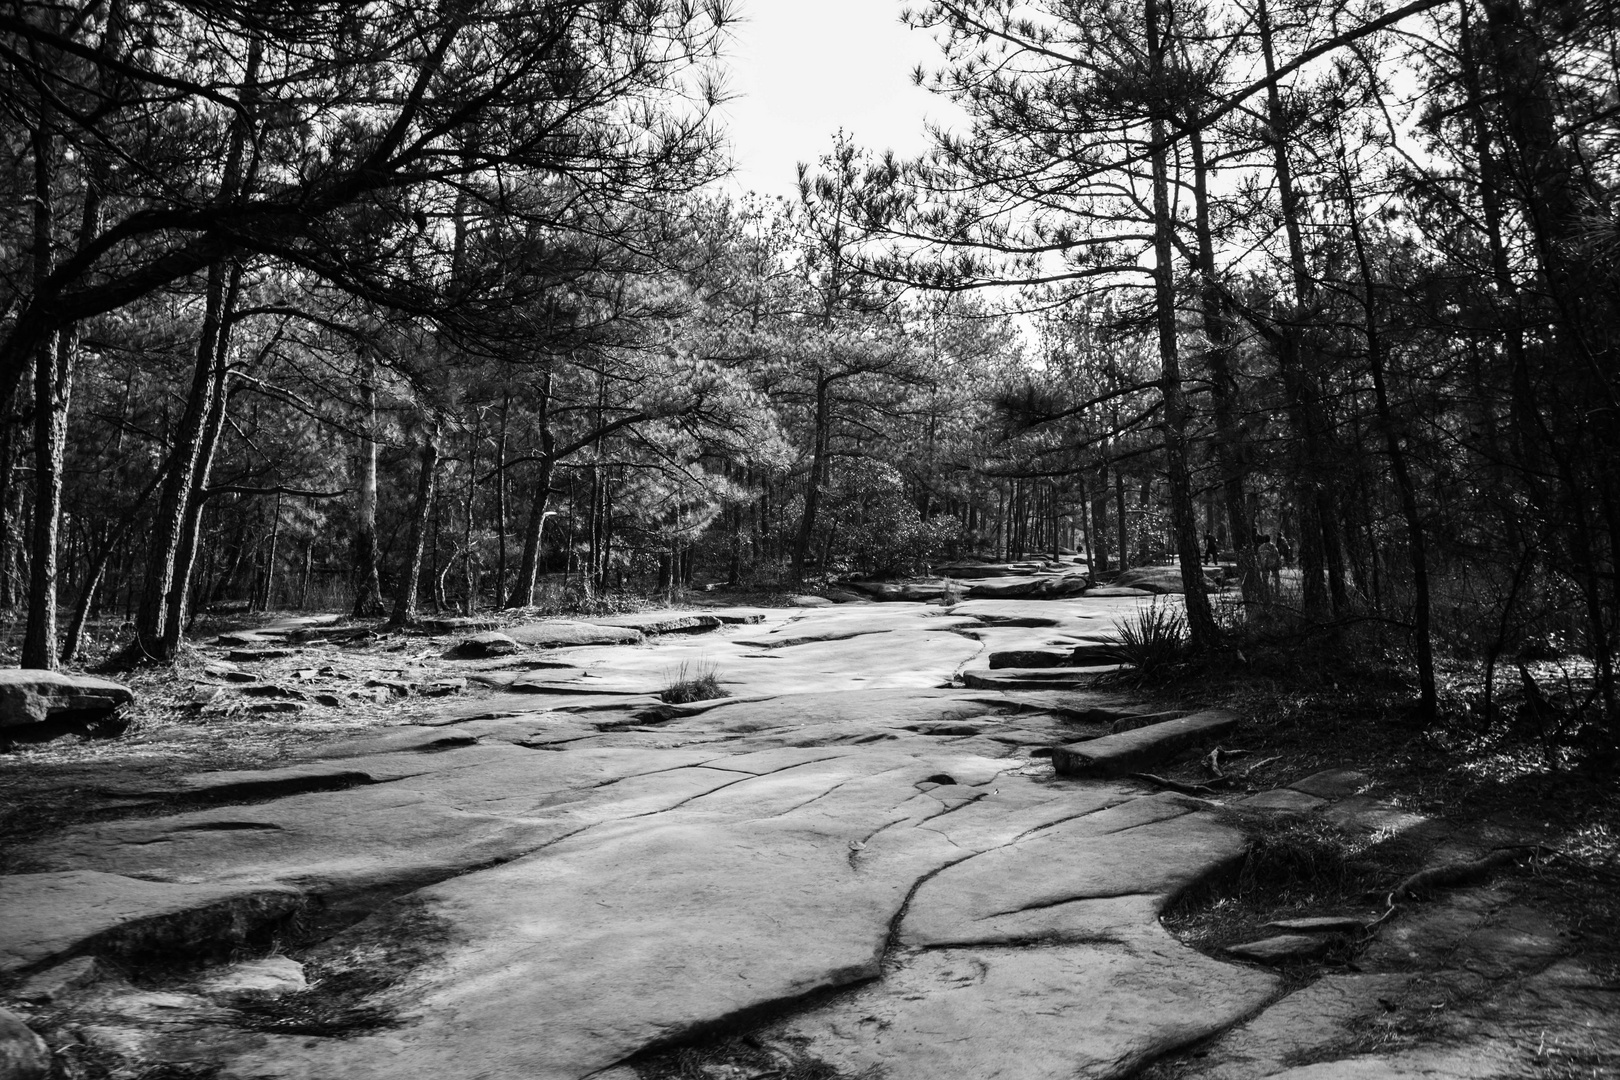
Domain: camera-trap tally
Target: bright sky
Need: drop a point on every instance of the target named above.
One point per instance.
(801, 69)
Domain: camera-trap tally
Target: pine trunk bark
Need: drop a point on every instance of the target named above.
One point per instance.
(53, 380)
(818, 474)
(368, 600)
(529, 567)
(405, 613)
(1230, 450)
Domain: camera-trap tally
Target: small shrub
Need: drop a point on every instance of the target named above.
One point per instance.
(1152, 639)
(699, 684)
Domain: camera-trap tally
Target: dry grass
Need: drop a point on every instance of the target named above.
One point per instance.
(699, 683)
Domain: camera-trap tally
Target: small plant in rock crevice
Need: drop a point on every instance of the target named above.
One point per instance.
(688, 684)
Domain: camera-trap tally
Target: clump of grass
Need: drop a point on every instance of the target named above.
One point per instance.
(1152, 639)
(701, 683)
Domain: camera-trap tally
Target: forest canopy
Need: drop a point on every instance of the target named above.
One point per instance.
(366, 306)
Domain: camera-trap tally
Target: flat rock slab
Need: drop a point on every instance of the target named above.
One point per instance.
(1128, 752)
(810, 602)
(846, 623)
(561, 633)
(663, 622)
(1116, 591)
(849, 845)
(739, 616)
(1283, 799)
(901, 592)
(1081, 878)
(1057, 1013)
(54, 915)
(1067, 678)
(1030, 613)
(1302, 1025)
(29, 696)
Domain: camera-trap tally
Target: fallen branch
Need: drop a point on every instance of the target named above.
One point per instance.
(1174, 785)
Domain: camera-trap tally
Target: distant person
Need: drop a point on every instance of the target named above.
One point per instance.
(1285, 551)
(1270, 562)
(1212, 549)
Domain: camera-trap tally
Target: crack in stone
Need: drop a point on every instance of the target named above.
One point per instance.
(1043, 905)
(810, 800)
(1071, 817)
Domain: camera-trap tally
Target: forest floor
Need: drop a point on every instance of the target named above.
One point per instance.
(1508, 971)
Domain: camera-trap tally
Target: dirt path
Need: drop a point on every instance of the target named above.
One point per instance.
(861, 863)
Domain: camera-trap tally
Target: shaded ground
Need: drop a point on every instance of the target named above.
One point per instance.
(859, 863)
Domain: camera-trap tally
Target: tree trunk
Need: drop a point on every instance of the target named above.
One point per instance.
(53, 380)
(1119, 520)
(421, 518)
(500, 504)
(529, 567)
(267, 593)
(1230, 451)
(818, 474)
(368, 602)
(8, 518)
(157, 625)
(197, 490)
(1304, 406)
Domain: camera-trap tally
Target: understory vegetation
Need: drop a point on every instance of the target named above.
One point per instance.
(444, 307)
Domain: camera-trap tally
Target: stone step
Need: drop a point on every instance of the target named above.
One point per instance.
(1130, 751)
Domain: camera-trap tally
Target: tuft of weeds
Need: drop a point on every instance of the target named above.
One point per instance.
(1153, 639)
(701, 683)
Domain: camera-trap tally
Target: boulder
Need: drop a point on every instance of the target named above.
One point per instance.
(23, 1054)
(29, 696)
(485, 645)
(810, 601)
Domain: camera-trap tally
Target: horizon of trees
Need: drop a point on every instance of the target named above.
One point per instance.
(370, 307)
